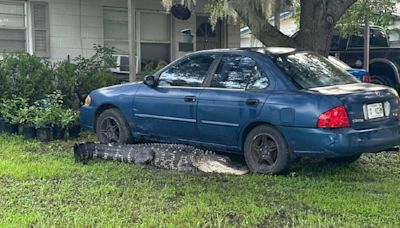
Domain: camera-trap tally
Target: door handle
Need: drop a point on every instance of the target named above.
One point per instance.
(190, 99)
(252, 102)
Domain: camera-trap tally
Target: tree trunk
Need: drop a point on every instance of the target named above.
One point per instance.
(317, 21)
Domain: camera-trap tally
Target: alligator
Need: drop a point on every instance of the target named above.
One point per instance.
(167, 156)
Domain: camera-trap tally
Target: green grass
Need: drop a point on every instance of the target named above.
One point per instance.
(41, 186)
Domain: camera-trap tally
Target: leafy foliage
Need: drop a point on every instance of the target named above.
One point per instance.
(77, 79)
(9, 108)
(51, 112)
(377, 12)
(26, 76)
(150, 69)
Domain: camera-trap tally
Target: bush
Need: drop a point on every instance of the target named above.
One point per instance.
(77, 79)
(25, 76)
(66, 78)
(32, 78)
(92, 81)
(9, 109)
(150, 68)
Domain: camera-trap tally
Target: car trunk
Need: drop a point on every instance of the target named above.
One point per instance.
(367, 104)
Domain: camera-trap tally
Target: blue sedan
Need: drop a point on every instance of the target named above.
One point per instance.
(272, 105)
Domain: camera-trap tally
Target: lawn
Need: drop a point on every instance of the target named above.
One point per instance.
(42, 186)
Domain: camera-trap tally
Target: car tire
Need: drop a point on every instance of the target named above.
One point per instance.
(266, 150)
(112, 127)
(382, 80)
(345, 160)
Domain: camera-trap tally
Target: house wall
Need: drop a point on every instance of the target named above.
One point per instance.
(75, 25)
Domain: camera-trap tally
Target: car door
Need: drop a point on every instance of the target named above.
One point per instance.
(169, 110)
(235, 97)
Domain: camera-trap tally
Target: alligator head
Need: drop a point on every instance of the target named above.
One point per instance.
(214, 163)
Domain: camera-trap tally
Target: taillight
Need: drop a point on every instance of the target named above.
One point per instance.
(334, 118)
(366, 78)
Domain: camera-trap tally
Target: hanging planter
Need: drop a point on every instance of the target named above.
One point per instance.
(58, 133)
(29, 132)
(44, 134)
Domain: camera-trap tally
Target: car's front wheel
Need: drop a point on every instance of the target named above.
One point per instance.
(111, 127)
(266, 150)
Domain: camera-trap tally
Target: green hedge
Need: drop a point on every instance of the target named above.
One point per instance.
(32, 78)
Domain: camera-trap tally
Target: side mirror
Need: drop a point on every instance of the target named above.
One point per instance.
(150, 81)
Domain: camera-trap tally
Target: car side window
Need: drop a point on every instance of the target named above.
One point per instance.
(239, 72)
(190, 72)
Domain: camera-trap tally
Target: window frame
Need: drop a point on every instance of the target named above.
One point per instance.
(209, 73)
(210, 77)
(24, 28)
(108, 40)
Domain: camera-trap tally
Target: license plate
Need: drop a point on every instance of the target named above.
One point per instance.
(375, 111)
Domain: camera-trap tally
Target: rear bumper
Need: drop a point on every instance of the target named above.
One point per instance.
(87, 117)
(315, 142)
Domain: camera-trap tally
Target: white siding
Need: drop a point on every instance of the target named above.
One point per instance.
(75, 25)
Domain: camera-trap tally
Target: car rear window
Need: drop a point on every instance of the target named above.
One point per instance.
(308, 70)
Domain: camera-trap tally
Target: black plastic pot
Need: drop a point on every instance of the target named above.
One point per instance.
(10, 128)
(1, 125)
(29, 132)
(44, 134)
(58, 133)
(74, 131)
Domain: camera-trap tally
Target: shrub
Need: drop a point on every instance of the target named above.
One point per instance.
(27, 114)
(66, 79)
(9, 109)
(150, 68)
(77, 79)
(25, 76)
(30, 77)
(92, 81)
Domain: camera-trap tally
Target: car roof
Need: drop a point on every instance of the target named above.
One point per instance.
(267, 50)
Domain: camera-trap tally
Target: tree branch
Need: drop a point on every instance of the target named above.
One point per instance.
(250, 12)
(339, 7)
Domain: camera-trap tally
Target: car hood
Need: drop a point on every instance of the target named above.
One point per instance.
(118, 89)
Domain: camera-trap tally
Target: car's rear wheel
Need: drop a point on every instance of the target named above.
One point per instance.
(111, 127)
(266, 150)
(349, 159)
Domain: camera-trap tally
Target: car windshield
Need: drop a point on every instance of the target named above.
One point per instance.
(308, 70)
(338, 63)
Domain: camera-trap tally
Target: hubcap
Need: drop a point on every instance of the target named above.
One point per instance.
(264, 150)
(110, 130)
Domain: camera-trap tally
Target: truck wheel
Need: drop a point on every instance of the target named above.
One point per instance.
(349, 159)
(382, 80)
(266, 151)
(111, 127)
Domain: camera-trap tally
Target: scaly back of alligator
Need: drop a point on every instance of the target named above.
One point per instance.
(167, 156)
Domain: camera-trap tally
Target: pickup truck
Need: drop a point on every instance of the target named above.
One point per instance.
(384, 60)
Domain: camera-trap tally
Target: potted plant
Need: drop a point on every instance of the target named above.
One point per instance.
(62, 118)
(9, 112)
(74, 128)
(42, 122)
(27, 117)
